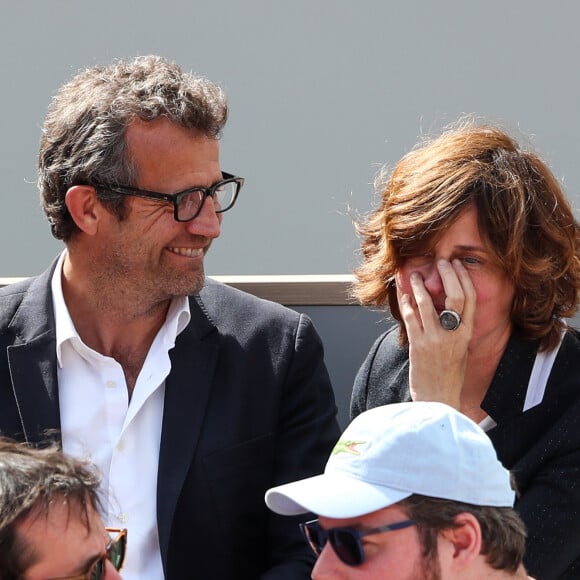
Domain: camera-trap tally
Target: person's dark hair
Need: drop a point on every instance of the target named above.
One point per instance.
(502, 530)
(30, 480)
(83, 138)
(524, 219)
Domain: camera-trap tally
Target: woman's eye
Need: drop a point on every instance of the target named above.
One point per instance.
(471, 260)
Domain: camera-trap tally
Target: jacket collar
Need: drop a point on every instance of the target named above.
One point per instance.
(32, 362)
(505, 397)
(187, 392)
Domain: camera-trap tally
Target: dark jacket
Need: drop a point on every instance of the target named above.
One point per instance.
(248, 405)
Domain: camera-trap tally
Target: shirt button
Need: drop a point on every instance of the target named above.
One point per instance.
(123, 518)
(111, 384)
(120, 446)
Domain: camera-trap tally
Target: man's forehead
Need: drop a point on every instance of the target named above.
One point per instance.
(160, 150)
(59, 513)
(159, 129)
(60, 535)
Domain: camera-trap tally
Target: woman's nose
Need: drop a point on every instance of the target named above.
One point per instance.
(432, 281)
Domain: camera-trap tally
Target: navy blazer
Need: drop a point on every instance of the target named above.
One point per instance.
(541, 446)
(248, 405)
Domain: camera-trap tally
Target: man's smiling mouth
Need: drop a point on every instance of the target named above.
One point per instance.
(187, 252)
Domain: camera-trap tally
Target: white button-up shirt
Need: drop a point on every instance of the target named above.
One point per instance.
(119, 436)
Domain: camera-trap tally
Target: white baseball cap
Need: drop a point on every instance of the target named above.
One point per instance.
(391, 452)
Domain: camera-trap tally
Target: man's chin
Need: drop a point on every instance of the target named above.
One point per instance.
(197, 284)
(187, 285)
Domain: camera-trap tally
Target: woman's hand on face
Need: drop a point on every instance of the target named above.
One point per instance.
(438, 357)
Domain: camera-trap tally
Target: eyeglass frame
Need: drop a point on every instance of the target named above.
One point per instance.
(121, 535)
(354, 533)
(175, 198)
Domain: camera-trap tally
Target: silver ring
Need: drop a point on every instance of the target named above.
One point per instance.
(449, 320)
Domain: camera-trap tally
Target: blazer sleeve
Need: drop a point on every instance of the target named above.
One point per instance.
(307, 433)
(383, 378)
(360, 389)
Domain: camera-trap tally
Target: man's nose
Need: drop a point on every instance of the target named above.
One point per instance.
(207, 223)
(328, 565)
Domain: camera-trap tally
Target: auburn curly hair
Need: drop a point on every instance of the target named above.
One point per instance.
(524, 219)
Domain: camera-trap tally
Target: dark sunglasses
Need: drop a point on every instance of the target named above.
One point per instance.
(115, 552)
(346, 542)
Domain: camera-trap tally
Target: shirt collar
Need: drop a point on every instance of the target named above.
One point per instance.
(178, 315)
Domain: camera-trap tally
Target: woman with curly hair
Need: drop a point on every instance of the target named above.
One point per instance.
(475, 251)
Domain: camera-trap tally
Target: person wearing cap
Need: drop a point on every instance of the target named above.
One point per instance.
(410, 491)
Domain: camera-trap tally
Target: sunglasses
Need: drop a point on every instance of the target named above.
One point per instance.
(114, 552)
(346, 542)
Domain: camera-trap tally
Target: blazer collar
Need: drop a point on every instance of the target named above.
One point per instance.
(35, 315)
(506, 395)
(187, 391)
(32, 362)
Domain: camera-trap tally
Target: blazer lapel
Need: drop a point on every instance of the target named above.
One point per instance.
(187, 390)
(504, 401)
(32, 362)
(505, 397)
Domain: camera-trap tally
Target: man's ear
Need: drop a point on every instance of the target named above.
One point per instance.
(83, 206)
(463, 542)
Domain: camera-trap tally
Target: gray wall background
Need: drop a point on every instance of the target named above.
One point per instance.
(321, 92)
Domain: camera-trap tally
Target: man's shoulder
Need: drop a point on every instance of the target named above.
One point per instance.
(11, 296)
(221, 300)
(37, 286)
(250, 319)
(16, 288)
(26, 305)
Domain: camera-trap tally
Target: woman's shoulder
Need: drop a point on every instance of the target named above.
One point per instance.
(571, 338)
(567, 360)
(387, 348)
(384, 375)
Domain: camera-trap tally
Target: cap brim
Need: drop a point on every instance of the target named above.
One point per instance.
(332, 496)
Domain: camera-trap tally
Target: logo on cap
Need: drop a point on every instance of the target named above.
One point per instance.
(347, 447)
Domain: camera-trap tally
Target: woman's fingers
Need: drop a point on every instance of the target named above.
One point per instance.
(452, 277)
(425, 308)
(437, 356)
(469, 294)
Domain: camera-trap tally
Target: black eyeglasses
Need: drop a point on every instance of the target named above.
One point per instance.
(188, 203)
(346, 542)
(115, 552)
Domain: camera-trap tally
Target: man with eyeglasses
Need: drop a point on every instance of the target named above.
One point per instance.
(191, 397)
(50, 525)
(411, 491)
